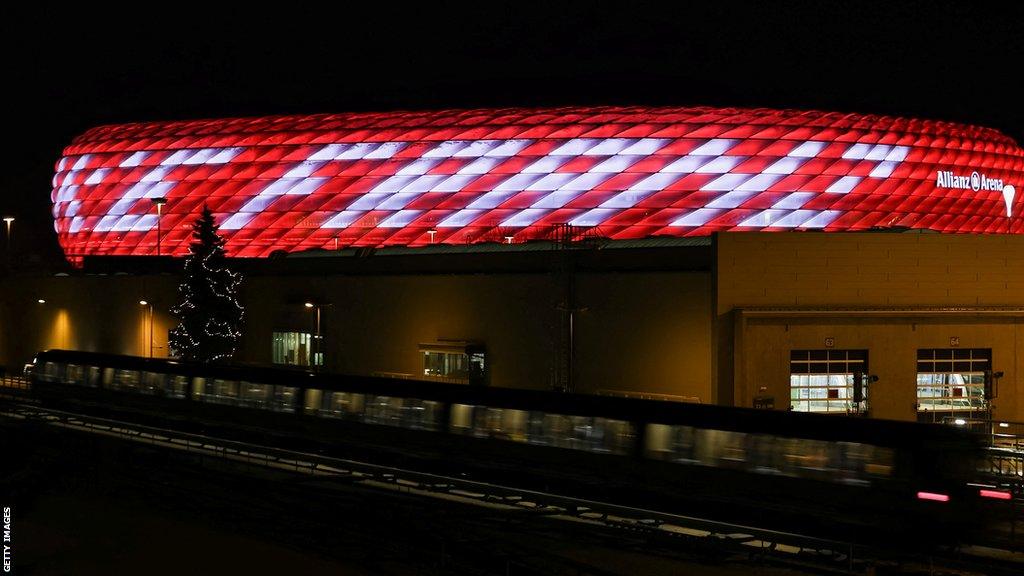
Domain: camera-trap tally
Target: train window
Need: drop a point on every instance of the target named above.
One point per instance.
(382, 410)
(255, 395)
(199, 388)
(108, 377)
(51, 372)
(461, 418)
(420, 414)
(672, 443)
(332, 404)
(221, 391)
(846, 462)
(283, 399)
(74, 374)
(593, 434)
(501, 423)
(153, 383)
(314, 398)
(92, 376)
(402, 412)
(341, 405)
(177, 386)
(125, 380)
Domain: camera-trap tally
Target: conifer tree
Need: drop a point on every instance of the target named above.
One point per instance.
(209, 313)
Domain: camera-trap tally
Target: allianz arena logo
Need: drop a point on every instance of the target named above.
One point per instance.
(976, 182)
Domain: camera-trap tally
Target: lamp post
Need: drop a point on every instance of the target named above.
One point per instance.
(8, 220)
(318, 351)
(159, 214)
(150, 306)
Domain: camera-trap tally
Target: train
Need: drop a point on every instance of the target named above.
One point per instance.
(864, 480)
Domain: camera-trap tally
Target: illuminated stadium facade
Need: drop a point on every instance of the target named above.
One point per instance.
(755, 258)
(294, 183)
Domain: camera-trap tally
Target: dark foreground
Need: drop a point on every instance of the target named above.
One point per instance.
(85, 504)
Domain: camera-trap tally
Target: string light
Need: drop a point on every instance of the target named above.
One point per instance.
(210, 314)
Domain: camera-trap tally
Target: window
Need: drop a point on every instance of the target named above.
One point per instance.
(295, 348)
(593, 434)
(282, 398)
(177, 386)
(456, 361)
(221, 391)
(126, 380)
(255, 395)
(951, 381)
(75, 375)
(822, 380)
(153, 383)
(846, 462)
(453, 365)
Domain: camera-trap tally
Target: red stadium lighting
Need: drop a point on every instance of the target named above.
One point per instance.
(932, 496)
(297, 183)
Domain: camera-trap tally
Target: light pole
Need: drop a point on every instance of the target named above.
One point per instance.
(159, 214)
(150, 306)
(317, 338)
(8, 220)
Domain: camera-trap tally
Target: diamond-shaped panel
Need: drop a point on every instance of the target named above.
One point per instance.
(411, 178)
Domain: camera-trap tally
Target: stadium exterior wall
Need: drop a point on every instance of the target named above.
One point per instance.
(889, 294)
(295, 183)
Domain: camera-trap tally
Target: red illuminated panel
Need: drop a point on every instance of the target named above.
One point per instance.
(295, 183)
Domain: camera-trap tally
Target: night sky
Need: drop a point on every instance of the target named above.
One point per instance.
(68, 71)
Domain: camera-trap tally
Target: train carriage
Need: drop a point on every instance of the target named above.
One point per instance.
(794, 470)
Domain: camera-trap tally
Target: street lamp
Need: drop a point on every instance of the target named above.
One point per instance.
(317, 354)
(159, 213)
(8, 220)
(150, 306)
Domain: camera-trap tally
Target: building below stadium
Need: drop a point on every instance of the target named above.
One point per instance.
(736, 257)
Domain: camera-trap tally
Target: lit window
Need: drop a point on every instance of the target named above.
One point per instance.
(951, 382)
(454, 361)
(295, 348)
(822, 380)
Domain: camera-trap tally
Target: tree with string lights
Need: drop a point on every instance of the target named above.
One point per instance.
(209, 313)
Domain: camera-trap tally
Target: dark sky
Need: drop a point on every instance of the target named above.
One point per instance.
(66, 71)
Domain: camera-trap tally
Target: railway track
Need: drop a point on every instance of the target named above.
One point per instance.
(654, 530)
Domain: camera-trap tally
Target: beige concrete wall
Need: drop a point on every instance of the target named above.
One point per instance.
(637, 331)
(892, 343)
(649, 332)
(865, 269)
(873, 275)
(95, 313)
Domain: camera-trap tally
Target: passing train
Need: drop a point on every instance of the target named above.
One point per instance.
(842, 477)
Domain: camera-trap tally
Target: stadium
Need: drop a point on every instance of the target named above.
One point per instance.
(749, 257)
